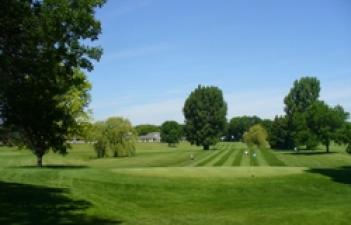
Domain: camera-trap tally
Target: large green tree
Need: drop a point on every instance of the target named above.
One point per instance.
(171, 132)
(302, 95)
(40, 51)
(280, 136)
(344, 136)
(325, 121)
(205, 116)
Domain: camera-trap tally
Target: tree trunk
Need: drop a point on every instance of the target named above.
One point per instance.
(206, 147)
(40, 161)
(327, 148)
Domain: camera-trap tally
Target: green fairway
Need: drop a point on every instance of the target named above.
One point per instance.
(162, 185)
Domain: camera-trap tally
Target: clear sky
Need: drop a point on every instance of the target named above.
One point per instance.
(157, 51)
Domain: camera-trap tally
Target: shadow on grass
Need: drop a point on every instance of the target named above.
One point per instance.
(68, 167)
(340, 175)
(22, 204)
(311, 153)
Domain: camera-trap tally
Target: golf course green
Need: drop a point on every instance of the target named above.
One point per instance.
(164, 185)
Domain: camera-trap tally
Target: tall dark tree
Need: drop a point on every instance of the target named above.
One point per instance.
(40, 50)
(279, 136)
(239, 125)
(171, 133)
(344, 136)
(325, 121)
(205, 116)
(302, 95)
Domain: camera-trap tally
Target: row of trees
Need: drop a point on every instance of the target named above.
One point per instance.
(44, 93)
(307, 122)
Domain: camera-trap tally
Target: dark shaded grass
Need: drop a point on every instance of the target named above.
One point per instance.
(238, 157)
(58, 167)
(23, 204)
(340, 175)
(224, 158)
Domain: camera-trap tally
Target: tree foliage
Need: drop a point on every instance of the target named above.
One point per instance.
(280, 136)
(146, 128)
(344, 136)
(96, 134)
(205, 116)
(171, 132)
(115, 135)
(40, 51)
(239, 125)
(256, 136)
(325, 121)
(303, 94)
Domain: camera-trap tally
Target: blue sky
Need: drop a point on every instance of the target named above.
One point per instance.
(157, 51)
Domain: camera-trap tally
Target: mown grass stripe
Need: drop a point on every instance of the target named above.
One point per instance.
(261, 160)
(271, 158)
(224, 151)
(224, 158)
(203, 155)
(253, 160)
(209, 159)
(230, 159)
(238, 157)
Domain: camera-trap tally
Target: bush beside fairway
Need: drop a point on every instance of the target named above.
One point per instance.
(162, 185)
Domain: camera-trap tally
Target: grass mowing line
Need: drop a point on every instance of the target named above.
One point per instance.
(253, 160)
(201, 155)
(238, 157)
(271, 158)
(259, 157)
(204, 155)
(230, 159)
(224, 158)
(214, 161)
(209, 159)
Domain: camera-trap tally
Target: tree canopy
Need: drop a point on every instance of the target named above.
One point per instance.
(256, 136)
(205, 116)
(42, 92)
(117, 136)
(171, 132)
(304, 93)
(239, 125)
(344, 136)
(325, 121)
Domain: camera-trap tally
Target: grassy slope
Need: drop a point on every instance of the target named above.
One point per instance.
(161, 186)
